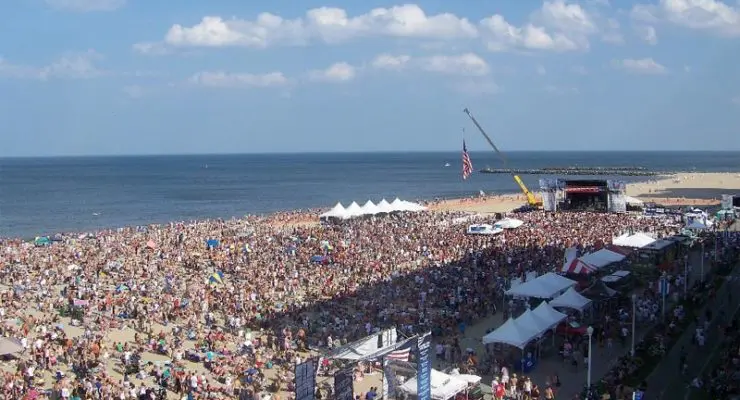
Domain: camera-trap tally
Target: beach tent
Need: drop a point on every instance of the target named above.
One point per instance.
(577, 266)
(369, 208)
(384, 206)
(571, 299)
(549, 314)
(9, 346)
(337, 211)
(398, 205)
(545, 286)
(637, 240)
(530, 320)
(411, 206)
(122, 288)
(212, 243)
(602, 258)
(216, 278)
(443, 386)
(509, 223)
(354, 210)
(513, 334)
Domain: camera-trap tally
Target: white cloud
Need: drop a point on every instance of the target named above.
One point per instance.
(388, 61)
(327, 24)
(709, 15)
(556, 26)
(338, 72)
(467, 64)
(86, 5)
(234, 80)
(641, 66)
(69, 66)
(648, 34)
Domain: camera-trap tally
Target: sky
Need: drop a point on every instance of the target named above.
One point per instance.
(117, 77)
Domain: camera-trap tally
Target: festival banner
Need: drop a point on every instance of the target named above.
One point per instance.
(344, 385)
(424, 367)
(305, 380)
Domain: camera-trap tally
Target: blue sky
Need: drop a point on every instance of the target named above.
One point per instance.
(98, 77)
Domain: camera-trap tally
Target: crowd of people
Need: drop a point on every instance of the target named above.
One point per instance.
(213, 308)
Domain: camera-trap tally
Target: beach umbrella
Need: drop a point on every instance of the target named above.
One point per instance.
(122, 288)
(42, 241)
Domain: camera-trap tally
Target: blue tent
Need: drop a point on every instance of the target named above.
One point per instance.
(42, 241)
(212, 243)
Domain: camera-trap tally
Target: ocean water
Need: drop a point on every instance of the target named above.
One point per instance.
(48, 195)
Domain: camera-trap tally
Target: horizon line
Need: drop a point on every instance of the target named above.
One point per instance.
(109, 155)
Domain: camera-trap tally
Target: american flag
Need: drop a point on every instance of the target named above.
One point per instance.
(399, 355)
(467, 165)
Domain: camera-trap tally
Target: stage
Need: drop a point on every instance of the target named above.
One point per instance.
(583, 195)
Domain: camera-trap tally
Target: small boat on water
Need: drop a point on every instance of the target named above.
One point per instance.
(447, 164)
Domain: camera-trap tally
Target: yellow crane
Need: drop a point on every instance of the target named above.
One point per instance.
(531, 199)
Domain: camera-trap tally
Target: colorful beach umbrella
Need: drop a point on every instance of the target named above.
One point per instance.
(217, 278)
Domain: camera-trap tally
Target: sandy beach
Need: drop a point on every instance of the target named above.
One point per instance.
(698, 189)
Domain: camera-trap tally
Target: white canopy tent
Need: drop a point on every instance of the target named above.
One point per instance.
(637, 240)
(337, 211)
(547, 313)
(571, 299)
(545, 286)
(509, 223)
(633, 201)
(384, 206)
(529, 319)
(602, 258)
(369, 208)
(444, 387)
(411, 206)
(513, 334)
(397, 205)
(354, 210)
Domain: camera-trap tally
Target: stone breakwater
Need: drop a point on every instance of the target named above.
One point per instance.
(604, 171)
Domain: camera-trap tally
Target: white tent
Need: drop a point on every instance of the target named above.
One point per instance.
(545, 286)
(398, 205)
(571, 299)
(638, 240)
(547, 313)
(384, 206)
(369, 208)
(411, 206)
(602, 258)
(513, 334)
(529, 319)
(337, 211)
(354, 210)
(470, 379)
(443, 386)
(509, 223)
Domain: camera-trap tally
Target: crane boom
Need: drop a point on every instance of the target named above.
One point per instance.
(530, 197)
